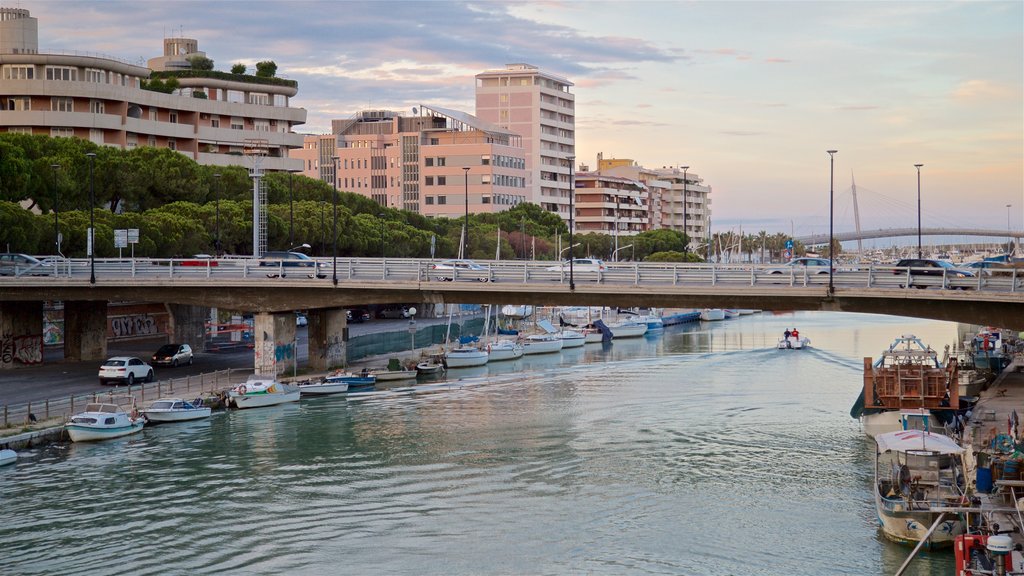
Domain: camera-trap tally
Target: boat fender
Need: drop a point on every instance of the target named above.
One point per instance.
(488, 348)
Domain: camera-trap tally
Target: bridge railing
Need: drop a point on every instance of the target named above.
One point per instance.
(525, 272)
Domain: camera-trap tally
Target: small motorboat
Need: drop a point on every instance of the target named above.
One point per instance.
(322, 388)
(429, 368)
(712, 314)
(8, 457)
(393, 375)
(259, 391)
(794, 343)
(175, 410)
(103, 420)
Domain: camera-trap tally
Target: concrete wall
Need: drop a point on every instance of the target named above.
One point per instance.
(273, 343)
(188, 324)
(328, 335)
(21, 333)
(85, 330)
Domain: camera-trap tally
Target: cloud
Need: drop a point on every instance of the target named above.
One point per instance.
(981, 90)
(741, 133)
(856, 107)
(777, 60)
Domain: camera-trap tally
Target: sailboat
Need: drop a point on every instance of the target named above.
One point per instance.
(497, 349)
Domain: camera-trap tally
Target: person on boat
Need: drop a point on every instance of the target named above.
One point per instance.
(796, 334)
(786, 335)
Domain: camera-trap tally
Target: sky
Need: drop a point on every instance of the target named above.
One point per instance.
(749, 95)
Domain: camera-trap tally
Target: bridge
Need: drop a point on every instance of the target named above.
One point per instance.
(273, 292)
(815, 239)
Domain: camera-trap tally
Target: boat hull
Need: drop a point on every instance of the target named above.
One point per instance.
(259, 400)
(531, 347)
(392, 375)
(712, 314)
(84, 433)
(909, 527)
(161, 416)
(8, 457)
(323, 388)
(466, 359)
(502, 353)
(619, 332)
(573, 340)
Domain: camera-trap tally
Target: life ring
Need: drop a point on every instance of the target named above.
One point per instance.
(242, 389)
(1003, 443)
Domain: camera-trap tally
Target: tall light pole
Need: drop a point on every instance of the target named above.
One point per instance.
(216, 237)
(831, 194)
(572, 210)
(291, 210)
(92, 222)
(381, 216)
(918, 166)
(334, 195)
(686, 239)
(56, 202)
(1009, 238)
(465, 235)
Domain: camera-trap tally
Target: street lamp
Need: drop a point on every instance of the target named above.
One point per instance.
(569, 247)
(291, 210)
(92, 222)
(381, 216)
(1009, 238)
(334, 197)
(615, 253)
(56, 201)
(465, 235)
(303, 245)
(686, 238)
(918, 166)
(831, 194)
(572, 192)
(216, 237)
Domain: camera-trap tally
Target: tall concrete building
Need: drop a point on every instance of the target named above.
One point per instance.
(213, 117)
(539, 107)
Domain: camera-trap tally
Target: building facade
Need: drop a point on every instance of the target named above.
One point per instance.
(539, 107)
(439, 162)
(611, 205)
(213, 117)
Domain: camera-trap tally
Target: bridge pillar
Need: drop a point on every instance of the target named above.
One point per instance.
(188, 324)
(328, 332)
(21, 333)
(85, 330)
(273, 343)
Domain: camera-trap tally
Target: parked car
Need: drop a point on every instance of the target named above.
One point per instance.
(173, 355)
(934, 268)
(357, 315)
(992, 268)
(797, 266)
(460, 269)
(16, 264)
(127, 369)
(285, 260)
(393, 312)
(300, 319)
(579, 265)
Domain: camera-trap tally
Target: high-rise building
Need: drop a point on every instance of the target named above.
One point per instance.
(611, 205)
(439, 162)
(539, 107)
(211, 117)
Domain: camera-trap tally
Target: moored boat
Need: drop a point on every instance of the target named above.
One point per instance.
(8, 457)
(465, 357)
(259, 391)
(501, 350)
(730, 313)
(362, 381)
(432, 366)
(103, 420)
(712, 314)
(628, 329)
(175, 410)
(393, 375)
(572, 338)
(989, 354)
(541, 344)
(322, 388)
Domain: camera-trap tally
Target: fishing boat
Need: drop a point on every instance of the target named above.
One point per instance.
(541, 344)
(8, 457)
(572, 338)
(680, 318)
(103, 420)
(987, 346)
(908, 374)
(259, 391)
(501, 350)
(175, 410)
(712, 314)
(628, 329)
(465, 357)
(916, 472)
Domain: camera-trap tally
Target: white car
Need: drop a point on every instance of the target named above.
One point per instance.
(797, 266)
(460, 269)
(127, 369)
(579, 265)
(301, 320)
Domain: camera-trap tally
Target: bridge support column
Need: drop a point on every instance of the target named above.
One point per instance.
(21, 333)
(188, 324)
(273, 343)
(85, 330)
(328, 332)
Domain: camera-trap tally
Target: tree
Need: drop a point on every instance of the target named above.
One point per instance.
(266, 69)
(200, 62)
(158, 85)
(238, 69)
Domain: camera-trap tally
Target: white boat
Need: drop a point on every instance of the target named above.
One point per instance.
(592, 336)
(393, 375)
(103, 420)
(794, 343)
(504, 350)
(322, 388)
(465, 357)
(916, 471)
(541, 344)
(572, 338)
(730, 313)
(8, 457)
(712, 314)
(517, 312)
(432, 366)
(259, 391)
(175, 410)
(747, 311)
(628, 329)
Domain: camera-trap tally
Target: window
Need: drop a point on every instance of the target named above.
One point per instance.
(261, 125)
(96, 106)
(237, 123)
(62, 104)
(428, 161)
(485, 199)
(435, 141)
(172, 144)
(62, 132)
(440, 161)
(215, 122)
(173, 118)
(20, 130)
(485, 178)
(151, 141)
(429, 181)
(261, 99)
(131, 140)
(95, 76)
(16, 72)
(442, 199)
(96, 136)
(485, 159)
(65, 73)
(442, 180)
(236, 96)
(430, 200)
(17, 103)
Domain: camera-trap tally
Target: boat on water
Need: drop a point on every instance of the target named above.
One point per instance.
(322, 388)
(466, 357)
(712, 314)
(103, 420)
(392, 375)
(8, 457)
(501, 350)
(680, 318)
(730, 313)
(259, 391)
(541, 344)
(432, 366)
(517, 312)
(747, 311)
(572, 338)
(794, 343)
(908, 374)
(628, 329)
(362, 381)
(988, 350)
(917, 472)
(176, 410)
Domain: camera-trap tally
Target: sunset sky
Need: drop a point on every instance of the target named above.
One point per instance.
(748, 94)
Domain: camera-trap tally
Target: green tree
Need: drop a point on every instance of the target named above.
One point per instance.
(266, 69)
(198, 62)
(238, 69)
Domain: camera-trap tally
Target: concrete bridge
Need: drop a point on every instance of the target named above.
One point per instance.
(190, 287)
(815, 239)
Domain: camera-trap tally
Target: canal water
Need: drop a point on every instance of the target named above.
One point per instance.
(699, 450)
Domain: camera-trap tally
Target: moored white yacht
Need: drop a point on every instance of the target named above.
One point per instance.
(466, 357)
(259, 391)
(175, 410)
(501, 350)
(541, 344)
(103, 420)
(628, 329)
(572, 338)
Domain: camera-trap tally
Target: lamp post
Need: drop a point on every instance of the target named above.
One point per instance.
(918, 166)
(465, 234)
(291, 210)
(1009, 238)
(831, 194)
(216, 237)
(572, 192)
(334, 198)
(381, 216)
(92, 221)
(56, 218)
(685, 237)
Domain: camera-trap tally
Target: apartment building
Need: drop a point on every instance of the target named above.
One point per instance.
(317, 155)
(539, 107)
(213, 117)
(438, 162)
(611, 205)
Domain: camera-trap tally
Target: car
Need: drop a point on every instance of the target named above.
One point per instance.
(993, 268)
(283, 260)
(127, 369)
(300, 319)
(393, 312)
(579, 265)
(459, 269)
(931, 267)
(173, 355)
(357, 315)
(17, 264)
(797, 266)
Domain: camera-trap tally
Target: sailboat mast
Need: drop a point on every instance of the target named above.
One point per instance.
(856, 215)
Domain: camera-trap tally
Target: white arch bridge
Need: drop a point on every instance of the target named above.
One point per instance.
(815, 239)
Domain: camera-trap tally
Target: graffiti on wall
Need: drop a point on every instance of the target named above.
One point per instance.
(334, 351)
(24, 349)
(135, 325)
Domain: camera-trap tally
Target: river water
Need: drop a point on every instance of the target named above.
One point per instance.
(700, 450)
